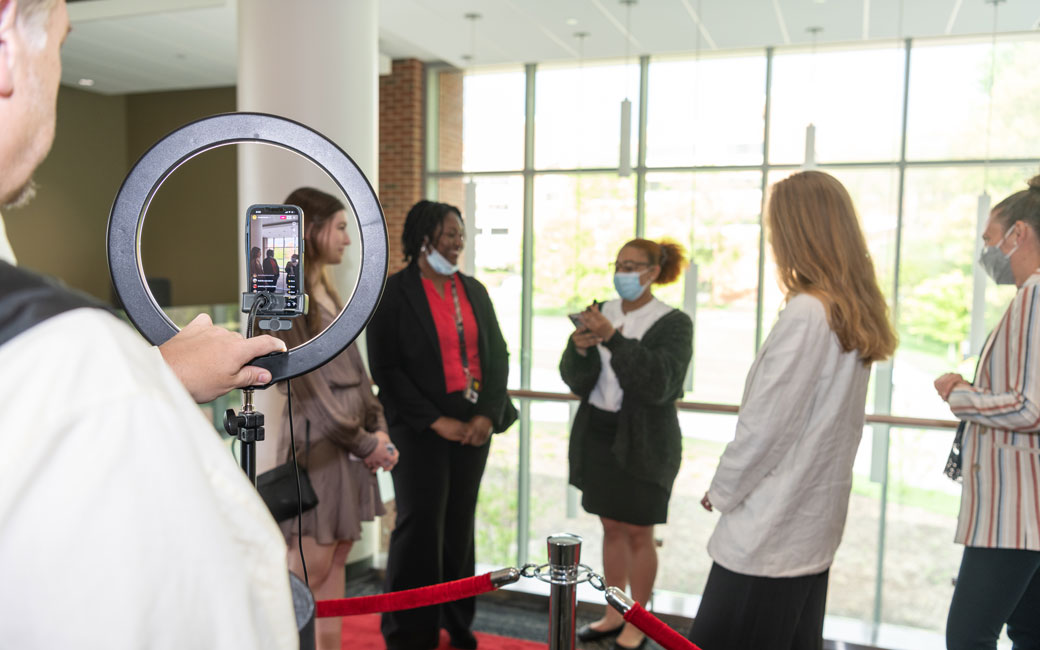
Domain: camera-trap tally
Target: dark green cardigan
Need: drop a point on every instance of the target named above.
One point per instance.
(651, 372)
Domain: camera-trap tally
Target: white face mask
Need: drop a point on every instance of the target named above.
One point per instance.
(439, 263)
(997, 263)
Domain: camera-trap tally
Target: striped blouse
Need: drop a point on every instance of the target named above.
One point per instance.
(1000, 499)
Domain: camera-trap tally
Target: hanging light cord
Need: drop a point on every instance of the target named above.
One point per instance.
(992, 82)
(628, 43)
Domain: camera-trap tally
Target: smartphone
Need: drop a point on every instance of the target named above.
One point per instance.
(274, 260)
(576, 318)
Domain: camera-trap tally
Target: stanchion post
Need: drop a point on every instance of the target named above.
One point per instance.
(564, 555)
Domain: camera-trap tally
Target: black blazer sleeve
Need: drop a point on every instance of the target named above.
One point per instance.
(494, 402)
(580, 373)
(391, 323)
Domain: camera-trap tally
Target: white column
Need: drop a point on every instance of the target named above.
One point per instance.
(316, 62)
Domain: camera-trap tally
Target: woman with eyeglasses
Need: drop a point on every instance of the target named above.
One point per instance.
(999, 460)
(627, 361)
(783, 483)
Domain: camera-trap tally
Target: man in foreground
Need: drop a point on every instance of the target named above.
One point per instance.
(124, 522)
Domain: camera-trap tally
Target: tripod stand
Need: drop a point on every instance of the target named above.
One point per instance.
(248, 428)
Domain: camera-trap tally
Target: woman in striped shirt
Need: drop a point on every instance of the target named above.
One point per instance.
(999, 522)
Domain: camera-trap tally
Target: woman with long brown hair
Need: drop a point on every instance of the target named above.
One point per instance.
(783, 484)
(341, 434)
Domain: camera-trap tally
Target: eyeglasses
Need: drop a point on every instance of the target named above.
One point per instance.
(628, 267)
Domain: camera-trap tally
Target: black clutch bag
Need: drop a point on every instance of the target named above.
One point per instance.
(954, 461)
(286, 498)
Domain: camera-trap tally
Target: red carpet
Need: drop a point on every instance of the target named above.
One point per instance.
(362, 633)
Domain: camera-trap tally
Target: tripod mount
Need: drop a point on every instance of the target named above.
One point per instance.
(248, 428)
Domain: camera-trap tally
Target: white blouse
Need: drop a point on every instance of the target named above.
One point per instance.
(607, 394)
(783, 484)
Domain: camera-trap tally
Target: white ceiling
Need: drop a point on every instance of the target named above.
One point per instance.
(134, 46)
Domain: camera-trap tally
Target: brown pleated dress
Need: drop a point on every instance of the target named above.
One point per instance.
(337, 401)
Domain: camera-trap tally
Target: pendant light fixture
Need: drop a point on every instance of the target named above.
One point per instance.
(625, 162)
(470, 56)
(810, 130)
(579, 96)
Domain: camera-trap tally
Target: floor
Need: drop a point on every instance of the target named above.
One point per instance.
(525, 616)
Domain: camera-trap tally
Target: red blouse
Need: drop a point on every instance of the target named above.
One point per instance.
(443, 310)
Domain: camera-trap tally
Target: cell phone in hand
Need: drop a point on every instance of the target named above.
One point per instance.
(576, 319)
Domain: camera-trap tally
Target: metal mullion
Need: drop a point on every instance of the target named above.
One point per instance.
(883, 376)
(462, 174)
(859, 164)
(644, 74)
(759, 292)
(523, 506)
(972, 162)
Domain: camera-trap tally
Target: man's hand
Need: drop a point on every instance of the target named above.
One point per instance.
(210, 360)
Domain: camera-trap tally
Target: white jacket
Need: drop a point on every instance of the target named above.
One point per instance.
(783, 484)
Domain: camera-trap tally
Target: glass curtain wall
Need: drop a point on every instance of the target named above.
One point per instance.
(907, 128)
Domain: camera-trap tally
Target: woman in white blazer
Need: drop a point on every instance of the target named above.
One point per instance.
(999, 522)
(783, 484)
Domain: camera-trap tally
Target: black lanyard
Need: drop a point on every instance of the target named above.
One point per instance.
(461, 331)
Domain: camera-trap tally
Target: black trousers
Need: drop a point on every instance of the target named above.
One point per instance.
(995, 586)
(436, 483)
(742, 612)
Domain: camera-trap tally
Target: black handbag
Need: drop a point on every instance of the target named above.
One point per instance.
(278, 488)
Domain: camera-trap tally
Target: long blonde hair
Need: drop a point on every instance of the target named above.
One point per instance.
(820, 250)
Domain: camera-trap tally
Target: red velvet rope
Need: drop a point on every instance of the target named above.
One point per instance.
(421, 597)
(654, 628)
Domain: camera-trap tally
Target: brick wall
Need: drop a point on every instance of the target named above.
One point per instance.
(449, 142)
(401, 139)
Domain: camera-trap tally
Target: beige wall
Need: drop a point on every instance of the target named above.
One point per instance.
(190, 235)
(62, 232)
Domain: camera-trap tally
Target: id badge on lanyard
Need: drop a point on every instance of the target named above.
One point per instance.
(472, 391)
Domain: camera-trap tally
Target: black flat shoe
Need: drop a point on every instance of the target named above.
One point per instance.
(589, 633)
(617, 646)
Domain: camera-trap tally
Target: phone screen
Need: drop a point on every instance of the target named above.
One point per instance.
(274, 259)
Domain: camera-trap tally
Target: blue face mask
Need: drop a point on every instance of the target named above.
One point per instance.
(627, 285)
(439, 263)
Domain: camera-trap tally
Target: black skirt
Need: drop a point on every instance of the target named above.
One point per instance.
(610, 490)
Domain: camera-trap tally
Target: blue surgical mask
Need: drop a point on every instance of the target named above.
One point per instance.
(627, 285)
(997, 263)
(439, 263)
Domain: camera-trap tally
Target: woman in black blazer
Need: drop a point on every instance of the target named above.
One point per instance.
(436, 351)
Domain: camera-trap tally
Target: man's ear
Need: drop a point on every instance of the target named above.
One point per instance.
(8, 14)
